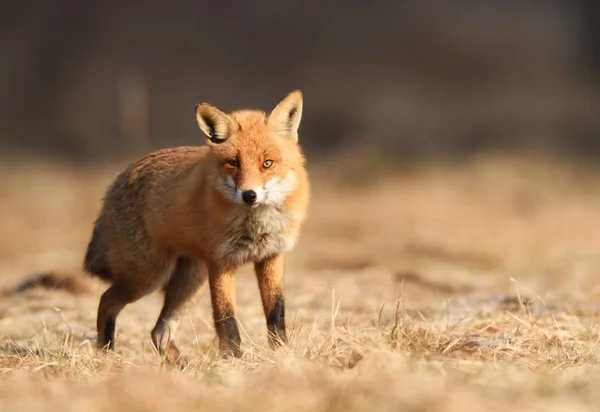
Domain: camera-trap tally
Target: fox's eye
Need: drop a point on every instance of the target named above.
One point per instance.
(267, 164)
(233, 163)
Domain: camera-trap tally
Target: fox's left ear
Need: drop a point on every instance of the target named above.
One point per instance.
(285, 118)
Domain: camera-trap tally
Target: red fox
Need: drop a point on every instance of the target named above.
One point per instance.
(181, 216)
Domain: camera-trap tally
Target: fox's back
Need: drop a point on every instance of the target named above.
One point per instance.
(159, 169)
(135, 199)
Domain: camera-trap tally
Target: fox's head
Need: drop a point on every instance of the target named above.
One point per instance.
(257, 156)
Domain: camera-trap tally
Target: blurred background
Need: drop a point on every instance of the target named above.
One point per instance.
(444, 139)
(92, 80)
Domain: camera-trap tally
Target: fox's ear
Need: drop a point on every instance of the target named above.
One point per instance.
(214, 123)
(285, 118)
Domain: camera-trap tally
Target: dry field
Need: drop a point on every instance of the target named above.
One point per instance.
(459, 287)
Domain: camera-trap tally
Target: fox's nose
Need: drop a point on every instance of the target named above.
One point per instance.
(249, 196)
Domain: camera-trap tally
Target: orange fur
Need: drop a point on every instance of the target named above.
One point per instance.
(179, 216)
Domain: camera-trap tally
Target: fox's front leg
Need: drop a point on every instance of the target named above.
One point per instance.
(270, 274)
(222, 291)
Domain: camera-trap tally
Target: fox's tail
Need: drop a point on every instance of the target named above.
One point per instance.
(95, 262)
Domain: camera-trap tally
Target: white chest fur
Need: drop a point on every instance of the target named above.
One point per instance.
(256, 234)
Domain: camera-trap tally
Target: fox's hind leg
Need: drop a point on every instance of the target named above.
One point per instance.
(112, 303)
(187, 282)
(130, 287)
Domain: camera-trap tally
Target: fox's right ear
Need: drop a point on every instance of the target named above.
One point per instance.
(215, 124)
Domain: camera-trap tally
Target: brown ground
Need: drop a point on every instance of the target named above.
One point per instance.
(442, 288)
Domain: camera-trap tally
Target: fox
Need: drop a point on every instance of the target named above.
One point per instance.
(180, 218)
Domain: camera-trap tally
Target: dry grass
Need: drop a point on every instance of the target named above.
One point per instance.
(445, 288)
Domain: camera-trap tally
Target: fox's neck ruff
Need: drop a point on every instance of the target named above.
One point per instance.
(266, 219)
(256, 233)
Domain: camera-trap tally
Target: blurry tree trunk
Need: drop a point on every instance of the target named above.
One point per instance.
(133, 111)
(590, 12)
(51, 37)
